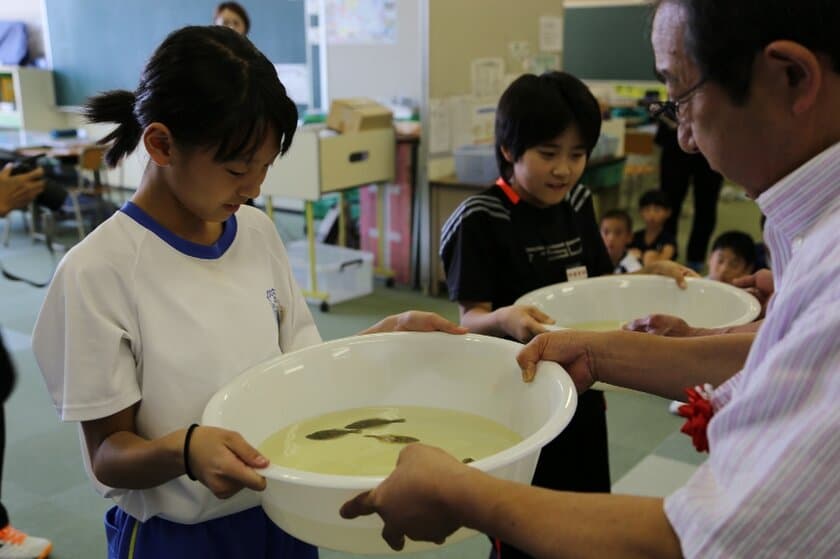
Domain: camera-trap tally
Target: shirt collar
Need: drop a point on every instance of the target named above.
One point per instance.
(508, 190)
(795, 203)
(206, 252)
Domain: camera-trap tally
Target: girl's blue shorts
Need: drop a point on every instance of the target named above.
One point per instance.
(249, 533)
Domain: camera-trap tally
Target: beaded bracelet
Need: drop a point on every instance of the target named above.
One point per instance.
(187, 438)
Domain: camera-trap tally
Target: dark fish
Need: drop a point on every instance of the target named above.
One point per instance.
(374, 422)
(467, 460)
(327, 434)
(399, 439)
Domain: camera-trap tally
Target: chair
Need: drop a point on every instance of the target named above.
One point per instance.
(642, 166)
(91, 195)
(7, 225)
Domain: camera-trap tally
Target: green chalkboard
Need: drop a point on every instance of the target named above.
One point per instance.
(608, 43)
(97, 45)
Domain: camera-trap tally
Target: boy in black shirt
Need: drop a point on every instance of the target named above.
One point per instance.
(535, 227)
(654, 243)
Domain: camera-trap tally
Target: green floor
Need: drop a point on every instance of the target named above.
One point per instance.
(45, 488)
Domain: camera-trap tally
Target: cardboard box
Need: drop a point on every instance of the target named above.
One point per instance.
(358, 114)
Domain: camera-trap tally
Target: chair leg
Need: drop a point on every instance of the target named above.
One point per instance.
(7, 229)
(80, 224)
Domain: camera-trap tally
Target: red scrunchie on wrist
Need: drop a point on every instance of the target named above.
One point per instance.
(698, 412)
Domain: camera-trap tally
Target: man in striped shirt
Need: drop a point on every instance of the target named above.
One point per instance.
(755, 87)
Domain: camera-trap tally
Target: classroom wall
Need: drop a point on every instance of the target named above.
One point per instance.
(382, 70)
(452, 49)
(28, 11)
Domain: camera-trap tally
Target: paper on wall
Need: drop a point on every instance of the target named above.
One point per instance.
(544, 62)
(440, 133)
(551, 33)
(483, 121)
(461, 120)
(487, 75)
(295, 78)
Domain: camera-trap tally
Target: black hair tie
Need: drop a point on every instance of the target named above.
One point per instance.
(187, 438)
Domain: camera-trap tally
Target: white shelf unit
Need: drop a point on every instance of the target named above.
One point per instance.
(321, 162)
(32, 106)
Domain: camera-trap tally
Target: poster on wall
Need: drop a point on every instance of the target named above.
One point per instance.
(361, 22)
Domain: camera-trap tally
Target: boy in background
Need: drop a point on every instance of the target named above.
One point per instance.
(733, 256)
(617, 233)
(654, 243)
(535, 227)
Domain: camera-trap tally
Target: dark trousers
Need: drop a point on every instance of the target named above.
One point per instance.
(677, 168)
(7, 382)
(577, 460)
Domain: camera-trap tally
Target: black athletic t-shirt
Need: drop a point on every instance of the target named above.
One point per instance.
(664, 238)
(496, 247)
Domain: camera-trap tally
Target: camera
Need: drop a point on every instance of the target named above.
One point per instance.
(53, 195)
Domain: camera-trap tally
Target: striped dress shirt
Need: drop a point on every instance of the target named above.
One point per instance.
(771, 485)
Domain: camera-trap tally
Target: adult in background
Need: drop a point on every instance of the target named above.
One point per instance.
(677, 170)
(233, 15)
(16, 192)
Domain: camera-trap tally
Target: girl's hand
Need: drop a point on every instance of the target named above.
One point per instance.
(522, 322)
(415, 321)
(224, 461)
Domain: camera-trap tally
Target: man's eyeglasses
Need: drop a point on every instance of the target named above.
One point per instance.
(670, 108)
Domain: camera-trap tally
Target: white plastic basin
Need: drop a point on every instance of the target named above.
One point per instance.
(471, 373)
(704, 303)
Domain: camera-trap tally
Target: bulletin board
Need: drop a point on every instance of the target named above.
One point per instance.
(608, 42)
(98, 45)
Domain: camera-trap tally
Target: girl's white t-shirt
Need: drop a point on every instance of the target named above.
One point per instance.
(136, 315)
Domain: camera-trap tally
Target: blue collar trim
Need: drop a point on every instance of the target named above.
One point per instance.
(211, 252)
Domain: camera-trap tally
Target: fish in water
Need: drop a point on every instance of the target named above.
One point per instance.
(467, 460)
(374, 422)
(399, 439)
(327, 434)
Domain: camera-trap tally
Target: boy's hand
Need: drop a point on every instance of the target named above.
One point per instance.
(661, 325)
(224, 461)
(671, 269)
(522, 322)
(415, 321)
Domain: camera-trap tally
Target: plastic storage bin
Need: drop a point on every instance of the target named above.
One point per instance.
(476, 164)
(342, 273)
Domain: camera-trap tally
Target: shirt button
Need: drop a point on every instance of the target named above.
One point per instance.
(797, 242)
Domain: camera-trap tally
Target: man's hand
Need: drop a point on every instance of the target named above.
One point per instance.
(759, 285)
(568, 348)
(18, 191)
(661, 325)
(414, 501)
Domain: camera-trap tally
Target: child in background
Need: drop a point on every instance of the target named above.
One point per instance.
(654, 243)
(176, 294)
(617, 233)
(733, 256)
